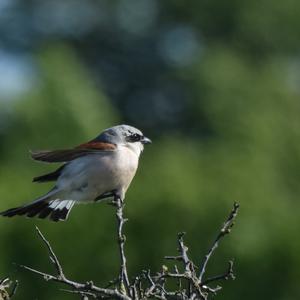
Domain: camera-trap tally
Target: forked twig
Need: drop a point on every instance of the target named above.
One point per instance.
(87, 287)
(227, 275)
(224, 231)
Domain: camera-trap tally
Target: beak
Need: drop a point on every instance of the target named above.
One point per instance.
(145, 140)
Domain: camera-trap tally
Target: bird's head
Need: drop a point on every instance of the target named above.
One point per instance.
(125, 135)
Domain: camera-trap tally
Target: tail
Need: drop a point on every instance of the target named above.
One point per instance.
(56, 210)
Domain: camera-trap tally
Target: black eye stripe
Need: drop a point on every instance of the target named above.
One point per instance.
(134, 137)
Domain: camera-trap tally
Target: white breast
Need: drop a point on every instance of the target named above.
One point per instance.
(87, 177)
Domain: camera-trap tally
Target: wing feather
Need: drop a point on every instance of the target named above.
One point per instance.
(71, 154)
(52, 176)
(98, 146)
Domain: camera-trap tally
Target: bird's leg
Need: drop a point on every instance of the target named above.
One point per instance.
(116, 201)
(112, 202)
(110, 197)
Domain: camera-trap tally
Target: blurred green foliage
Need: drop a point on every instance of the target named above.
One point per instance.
(239, 141)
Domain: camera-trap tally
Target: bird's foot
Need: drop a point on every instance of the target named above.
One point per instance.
(116, 201)
(113, 202)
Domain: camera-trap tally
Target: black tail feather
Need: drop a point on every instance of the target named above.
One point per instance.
(56, 210)
(45, 212)
(17, 211)
(59, 214)
(37, 209)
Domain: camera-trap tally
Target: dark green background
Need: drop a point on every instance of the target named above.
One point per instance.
(222, 110)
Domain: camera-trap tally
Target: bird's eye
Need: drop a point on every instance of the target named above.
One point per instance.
(135, 137)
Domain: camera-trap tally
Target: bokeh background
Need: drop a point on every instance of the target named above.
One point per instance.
(216, 85)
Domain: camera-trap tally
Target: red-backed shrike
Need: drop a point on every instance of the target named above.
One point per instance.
(101, 168)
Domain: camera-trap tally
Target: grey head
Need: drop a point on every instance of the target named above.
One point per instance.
(122, 134)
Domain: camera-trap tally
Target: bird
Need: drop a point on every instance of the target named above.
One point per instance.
(99, 169)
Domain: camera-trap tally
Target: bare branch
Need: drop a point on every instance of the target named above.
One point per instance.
(124, 281)
(183, 251)
(227, 275)
(52, 255)
(224, 230)
(61, 278)
(190, 285)
(84, 295)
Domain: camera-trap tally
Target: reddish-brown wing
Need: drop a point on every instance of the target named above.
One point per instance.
(70, 154)
(98, 146)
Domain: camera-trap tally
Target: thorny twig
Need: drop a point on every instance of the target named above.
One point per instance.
(190, 284)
